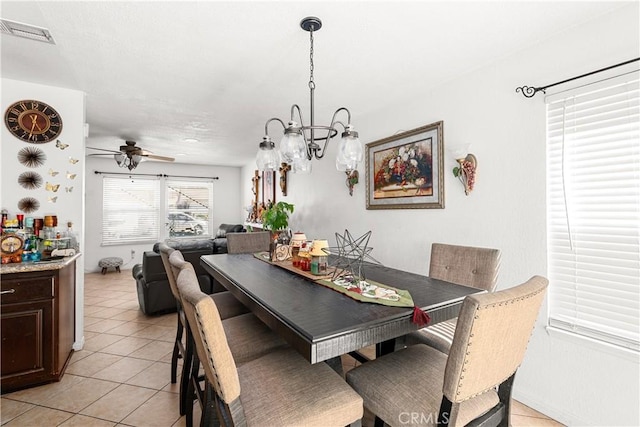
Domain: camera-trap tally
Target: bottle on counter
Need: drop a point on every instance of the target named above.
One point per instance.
(5, 215)
(73, 238)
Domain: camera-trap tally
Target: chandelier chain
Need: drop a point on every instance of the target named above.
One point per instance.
(312, 84)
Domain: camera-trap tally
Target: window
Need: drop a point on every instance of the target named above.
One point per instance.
(131, 209)
(188, 208)
(593, 210)
(138, 210)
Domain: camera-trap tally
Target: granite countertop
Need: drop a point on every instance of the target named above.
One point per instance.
(26, 267)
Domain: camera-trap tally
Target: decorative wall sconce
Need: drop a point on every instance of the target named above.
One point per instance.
(467, 166)
(352, 180)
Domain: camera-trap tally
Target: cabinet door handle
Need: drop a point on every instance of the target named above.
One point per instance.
(10, 291)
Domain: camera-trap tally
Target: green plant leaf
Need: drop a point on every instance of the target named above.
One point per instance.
(456, 171)
(277, 216)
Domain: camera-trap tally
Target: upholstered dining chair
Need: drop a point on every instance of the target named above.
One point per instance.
(420, 385)
(463, 265)
(230, 307)
(278, 389)
(244, 243)
(248, 338)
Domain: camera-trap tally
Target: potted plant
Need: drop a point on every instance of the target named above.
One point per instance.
(276, 219)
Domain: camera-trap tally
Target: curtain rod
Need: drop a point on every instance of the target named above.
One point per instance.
(529, 92)
(161, 175)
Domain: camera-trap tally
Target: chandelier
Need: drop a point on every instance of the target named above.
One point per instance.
(301, 142)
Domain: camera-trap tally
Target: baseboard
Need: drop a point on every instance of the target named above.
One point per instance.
(77, 346)
(543, 407)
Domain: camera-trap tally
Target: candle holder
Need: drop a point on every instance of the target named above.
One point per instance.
(297, 241)
(319, 257)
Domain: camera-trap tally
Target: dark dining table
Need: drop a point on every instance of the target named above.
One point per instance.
(321, 323)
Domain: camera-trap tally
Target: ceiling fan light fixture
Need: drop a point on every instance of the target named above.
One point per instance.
(120, 159)
(130, 155)
(134, 161)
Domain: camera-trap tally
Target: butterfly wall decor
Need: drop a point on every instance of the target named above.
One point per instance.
(60, 145)
(52, 187)
(52, 199)
(71, 175)
(52, 172)
(73, 161)
(68, 189)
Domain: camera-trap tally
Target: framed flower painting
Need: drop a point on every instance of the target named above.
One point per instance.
(405, 171)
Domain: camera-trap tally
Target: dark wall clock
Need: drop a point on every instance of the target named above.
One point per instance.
(33, 121)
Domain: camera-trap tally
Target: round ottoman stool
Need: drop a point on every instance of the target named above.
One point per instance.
(113, 261)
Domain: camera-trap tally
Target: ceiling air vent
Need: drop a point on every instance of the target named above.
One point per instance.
(26, 31)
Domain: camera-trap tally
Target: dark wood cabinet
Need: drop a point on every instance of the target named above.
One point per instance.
(37, 325)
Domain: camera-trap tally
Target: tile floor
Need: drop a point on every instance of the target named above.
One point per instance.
(121, 377)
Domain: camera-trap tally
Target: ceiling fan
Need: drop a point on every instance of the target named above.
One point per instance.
(130, 155)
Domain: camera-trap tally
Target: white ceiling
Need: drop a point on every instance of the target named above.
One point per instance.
(161, 72)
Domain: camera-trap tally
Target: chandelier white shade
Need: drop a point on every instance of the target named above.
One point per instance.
(301, 143)
(350, 151)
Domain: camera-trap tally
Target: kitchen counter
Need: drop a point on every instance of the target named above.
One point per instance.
(37, 321)
(25, 267)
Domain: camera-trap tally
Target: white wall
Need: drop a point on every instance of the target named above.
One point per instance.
(226, 207)
(573, 382)
(68, 206)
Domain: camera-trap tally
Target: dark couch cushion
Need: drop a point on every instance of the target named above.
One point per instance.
(228, 228)
(152, 267)
(154, 292)
(188, 245)
(220, 245)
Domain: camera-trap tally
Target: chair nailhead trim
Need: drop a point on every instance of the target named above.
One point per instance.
(476, 317)
(512, 301)
(209, 356)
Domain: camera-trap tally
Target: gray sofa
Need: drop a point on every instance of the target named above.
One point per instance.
(152, 284)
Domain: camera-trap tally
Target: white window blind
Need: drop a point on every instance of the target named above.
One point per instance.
(593, 210)
(131, 210)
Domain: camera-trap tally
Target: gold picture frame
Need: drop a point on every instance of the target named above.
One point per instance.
(405, 171)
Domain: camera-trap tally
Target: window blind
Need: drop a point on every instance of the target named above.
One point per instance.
(131, 210)
(593, 210)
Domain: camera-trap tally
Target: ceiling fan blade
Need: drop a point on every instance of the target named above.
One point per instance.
(155, 157)
(102, 149)
(101, 154)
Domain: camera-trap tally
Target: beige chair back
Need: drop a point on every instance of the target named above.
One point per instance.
(245, 243)
(465, 265)
(165, 253)
(176, 262)
(209, 336)
(491, 338)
